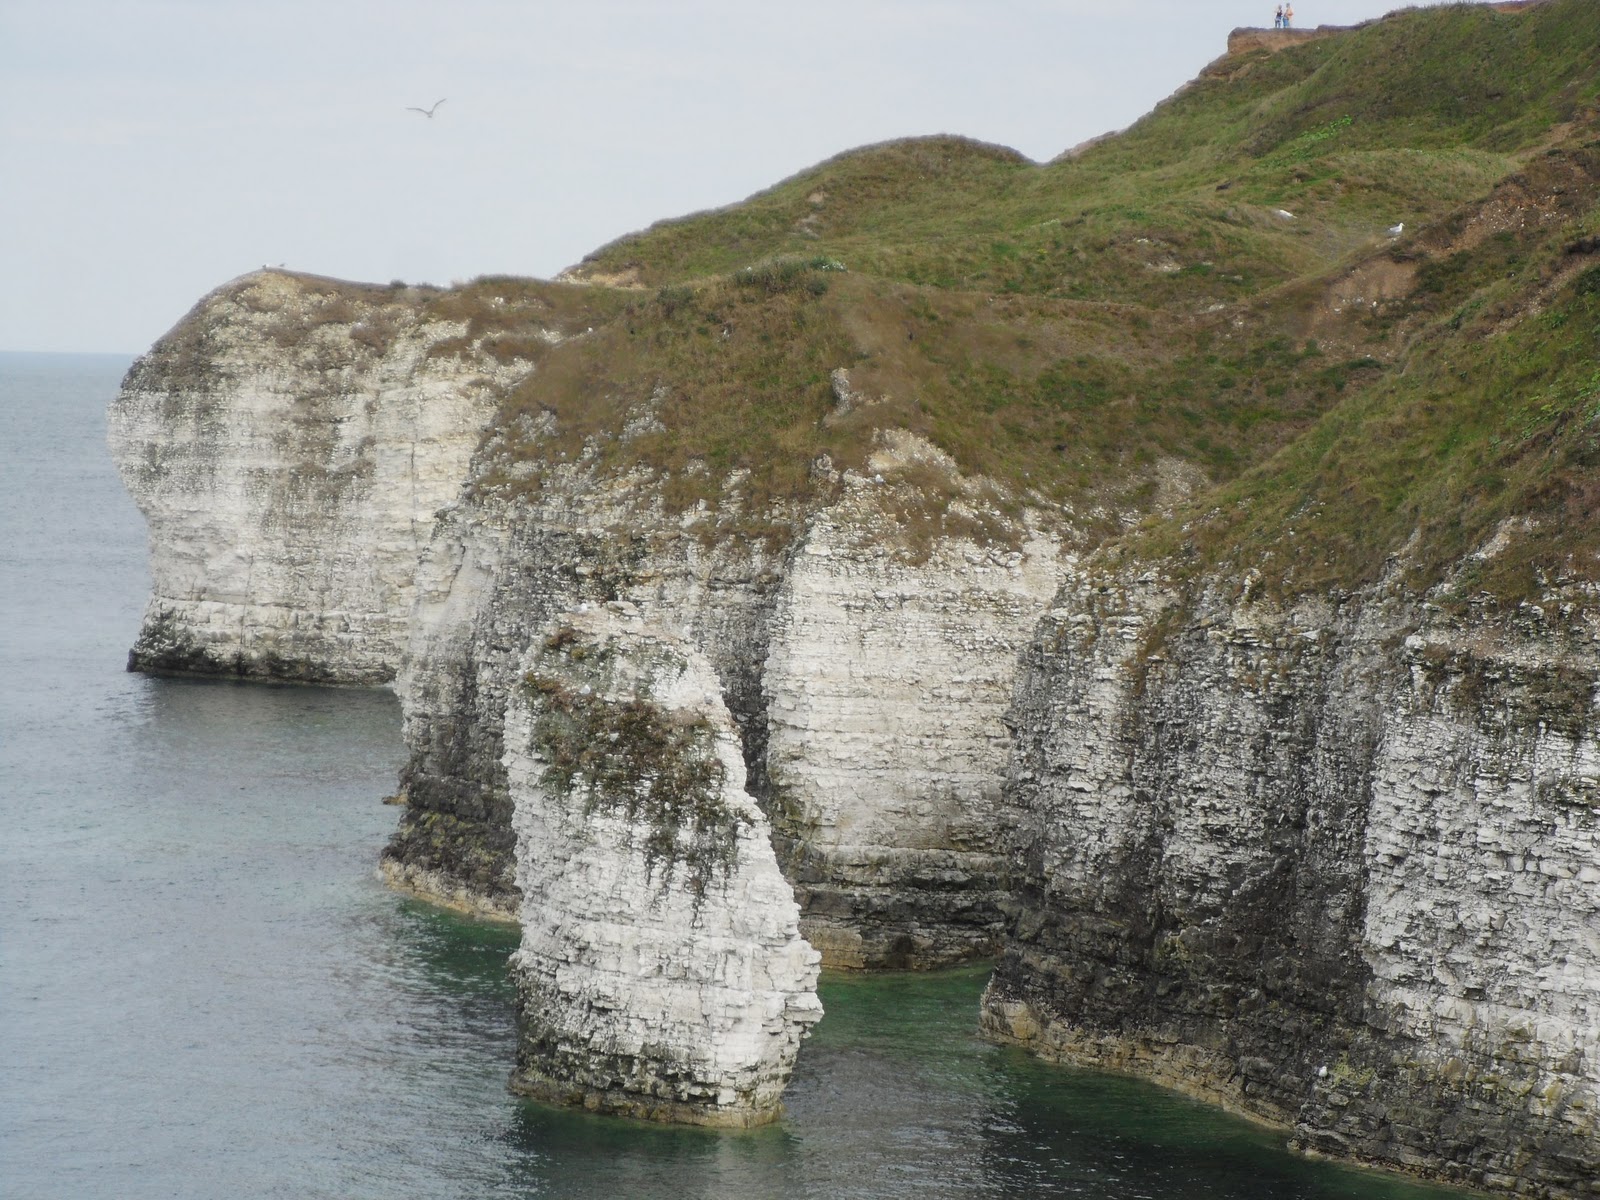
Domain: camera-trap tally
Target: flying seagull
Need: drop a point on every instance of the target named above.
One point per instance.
(427, 112)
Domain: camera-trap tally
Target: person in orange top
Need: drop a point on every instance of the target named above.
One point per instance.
(1288, 15)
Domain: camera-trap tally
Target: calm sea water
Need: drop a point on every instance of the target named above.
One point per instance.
(204, 992)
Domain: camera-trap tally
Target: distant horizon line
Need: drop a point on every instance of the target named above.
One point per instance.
(73, 353)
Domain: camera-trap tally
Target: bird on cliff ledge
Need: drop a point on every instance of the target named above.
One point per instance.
(427, 112)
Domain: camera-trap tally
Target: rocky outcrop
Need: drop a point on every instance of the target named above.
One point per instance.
(496, 574)
(879, 768)
(289, 444)
(887, 679)
(322, 468)
(1333, 862)
(1335, 865)
(661, 971)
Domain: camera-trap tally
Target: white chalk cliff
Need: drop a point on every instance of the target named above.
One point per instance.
(661, 972)
(1334, 863)
(317, 512)
(1336, 866)
(289, 494)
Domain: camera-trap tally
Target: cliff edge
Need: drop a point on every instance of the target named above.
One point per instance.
(1171, 567)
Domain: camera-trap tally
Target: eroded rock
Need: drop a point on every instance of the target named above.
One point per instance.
(289, 444)
(1333, 865)
(661, 973)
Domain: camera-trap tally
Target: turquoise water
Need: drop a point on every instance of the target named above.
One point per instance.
(204, 991)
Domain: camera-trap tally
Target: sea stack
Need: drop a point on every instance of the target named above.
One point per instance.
(662, 973)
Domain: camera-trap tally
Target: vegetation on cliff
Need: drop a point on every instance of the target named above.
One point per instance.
(1216, 289)
(622, 752)
(1210, 304)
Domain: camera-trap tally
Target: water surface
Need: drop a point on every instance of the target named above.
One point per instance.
(204, 991)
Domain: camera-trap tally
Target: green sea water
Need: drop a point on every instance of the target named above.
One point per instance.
(205, 992)
(896, 1096)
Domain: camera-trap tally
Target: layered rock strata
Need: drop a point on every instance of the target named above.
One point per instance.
(1336, 866)
(310, 457)
(289, 444)
(493, 577)
(869, 681)
(661, 971)
(887, 680)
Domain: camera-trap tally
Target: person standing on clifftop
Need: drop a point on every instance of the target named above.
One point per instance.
(1277, 18)
(1288, 16)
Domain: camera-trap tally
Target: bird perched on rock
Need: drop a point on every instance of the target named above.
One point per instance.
(427, 112)
(1397, 229)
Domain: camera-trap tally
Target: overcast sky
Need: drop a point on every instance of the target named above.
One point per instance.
(153, 149)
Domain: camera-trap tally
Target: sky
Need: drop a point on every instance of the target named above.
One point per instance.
(151, 150)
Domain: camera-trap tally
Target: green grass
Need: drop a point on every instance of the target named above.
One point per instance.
(1070, 330)
(1404, 119)
(1066, 405)
(1492, 426)
(1066, 329)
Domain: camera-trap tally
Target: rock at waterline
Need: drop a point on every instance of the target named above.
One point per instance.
(662, 973)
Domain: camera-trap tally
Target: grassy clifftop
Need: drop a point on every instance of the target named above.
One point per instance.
(1213, 287)
(1398, 120)
(1476, 459)
(1210, 303)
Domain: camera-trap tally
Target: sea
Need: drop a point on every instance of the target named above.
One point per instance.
(206, 992)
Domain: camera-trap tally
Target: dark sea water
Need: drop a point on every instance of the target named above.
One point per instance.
(204, 992)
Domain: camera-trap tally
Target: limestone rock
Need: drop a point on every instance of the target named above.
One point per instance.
(887, 679)
(289, 493)
(310, 456)
(661, 972)
(1324, 865)
(868, 678)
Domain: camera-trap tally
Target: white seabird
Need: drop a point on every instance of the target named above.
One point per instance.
(427, 112)
(1397, 230)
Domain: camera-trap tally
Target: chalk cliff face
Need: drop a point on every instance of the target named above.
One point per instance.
(1332, 860)
(661, 971)
(878, 767)
(886, 684)
(496, 574)
(305, 453)
(289, 492)
(1335, 865)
